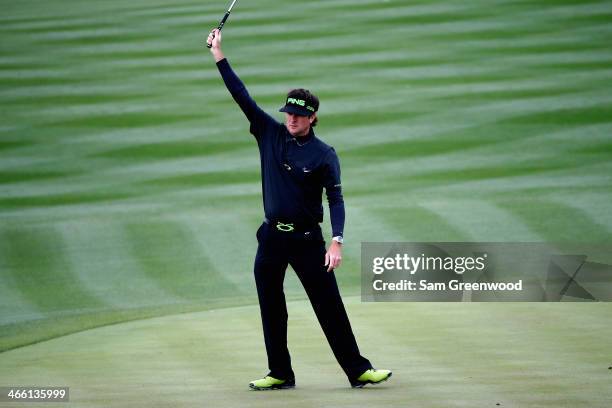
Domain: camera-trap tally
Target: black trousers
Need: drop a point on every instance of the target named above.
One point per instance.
(305, 252)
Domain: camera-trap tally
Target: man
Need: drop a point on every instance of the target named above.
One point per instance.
(295, 167)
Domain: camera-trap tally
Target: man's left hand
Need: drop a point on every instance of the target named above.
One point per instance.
(333, 256)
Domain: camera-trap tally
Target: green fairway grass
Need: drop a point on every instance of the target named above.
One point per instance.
(466, 355)
(129, 188)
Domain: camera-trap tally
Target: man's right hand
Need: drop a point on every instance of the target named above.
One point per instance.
(214, 40)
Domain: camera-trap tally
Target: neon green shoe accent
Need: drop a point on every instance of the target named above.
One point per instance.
(372, 376)
(271, 383)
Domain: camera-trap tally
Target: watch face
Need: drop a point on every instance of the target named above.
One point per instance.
(340, 240)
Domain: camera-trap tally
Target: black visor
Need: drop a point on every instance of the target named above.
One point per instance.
(298, 107)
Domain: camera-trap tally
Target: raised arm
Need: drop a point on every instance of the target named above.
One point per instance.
(254, 114)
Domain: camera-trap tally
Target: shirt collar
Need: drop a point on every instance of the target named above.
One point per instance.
(301, 140)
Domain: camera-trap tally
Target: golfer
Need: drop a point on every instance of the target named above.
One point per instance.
(295, 168)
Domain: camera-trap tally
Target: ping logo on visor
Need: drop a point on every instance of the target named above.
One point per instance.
(300, 102)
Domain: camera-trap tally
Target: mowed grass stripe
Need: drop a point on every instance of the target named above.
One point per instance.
(174, 150)
(115, 122)
(487, 121)
(594, 205)
(477, 153)
(38, 269)
(7, 177)
(15, 307)
(62, 199)
(482, 221)
(488, 169)
(562, 115)
(212, 236)
(532, 186)
(192, 180)
(413, 223)
(57, 26)
(168, 255)
(557, 221)
(29, 10)
(173, 171)
(97, 251)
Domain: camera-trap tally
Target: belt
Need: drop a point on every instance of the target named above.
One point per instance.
(287, 226)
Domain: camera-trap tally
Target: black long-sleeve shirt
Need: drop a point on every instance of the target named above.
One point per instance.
(294, 170)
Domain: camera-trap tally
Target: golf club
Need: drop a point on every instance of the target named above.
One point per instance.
(223, 20)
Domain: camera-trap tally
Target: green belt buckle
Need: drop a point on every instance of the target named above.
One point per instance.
(284, 227)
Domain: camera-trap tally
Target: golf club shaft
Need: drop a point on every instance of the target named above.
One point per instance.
(223, 20)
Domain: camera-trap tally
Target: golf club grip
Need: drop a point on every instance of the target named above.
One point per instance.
(223, 20)
(221, 24)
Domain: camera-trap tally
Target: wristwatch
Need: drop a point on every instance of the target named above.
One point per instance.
(339, 239)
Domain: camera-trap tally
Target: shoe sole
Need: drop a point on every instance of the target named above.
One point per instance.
(364, 383)
(273, 387)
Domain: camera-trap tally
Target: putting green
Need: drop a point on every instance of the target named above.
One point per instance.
(442, 355)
